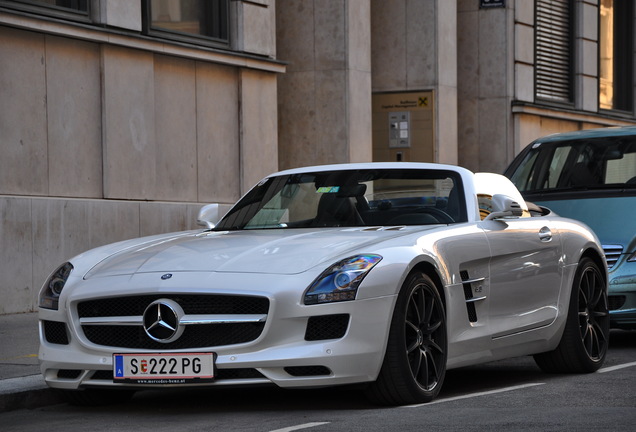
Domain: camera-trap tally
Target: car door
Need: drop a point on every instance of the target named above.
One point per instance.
(525, 273)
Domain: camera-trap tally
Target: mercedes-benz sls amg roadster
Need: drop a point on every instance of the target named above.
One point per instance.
(383, 275)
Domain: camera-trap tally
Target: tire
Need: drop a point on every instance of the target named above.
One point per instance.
(95, 397)
(415, 361)
(584, 343)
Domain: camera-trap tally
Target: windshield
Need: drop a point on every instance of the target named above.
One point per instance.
(600, 163)
(377, 197)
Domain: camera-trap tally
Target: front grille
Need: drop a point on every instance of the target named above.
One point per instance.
(612, 254)
(194, 336)
(326, 327)
(191, 304)
(55, 332)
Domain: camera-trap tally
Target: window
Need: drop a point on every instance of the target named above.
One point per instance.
(616, 55)
(189, 20)
(73, 9)
(553, 50)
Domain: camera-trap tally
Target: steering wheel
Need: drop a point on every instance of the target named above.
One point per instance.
(438, 214)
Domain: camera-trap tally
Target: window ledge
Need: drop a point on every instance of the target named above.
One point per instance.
(91, 33)
(602, 118)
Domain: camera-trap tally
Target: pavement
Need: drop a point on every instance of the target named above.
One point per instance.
(21, 384)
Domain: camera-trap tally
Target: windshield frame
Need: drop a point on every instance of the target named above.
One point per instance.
(350, 185)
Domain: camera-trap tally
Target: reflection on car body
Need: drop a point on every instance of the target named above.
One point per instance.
(380, 274)
(591, 176)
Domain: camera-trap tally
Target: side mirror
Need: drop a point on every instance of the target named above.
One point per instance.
(208, 215)
(504, 206)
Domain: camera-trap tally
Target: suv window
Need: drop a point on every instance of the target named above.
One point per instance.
(581, 164)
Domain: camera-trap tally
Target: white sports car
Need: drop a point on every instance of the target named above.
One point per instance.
(382, 274)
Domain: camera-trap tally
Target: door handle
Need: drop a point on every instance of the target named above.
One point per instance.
(545, 235)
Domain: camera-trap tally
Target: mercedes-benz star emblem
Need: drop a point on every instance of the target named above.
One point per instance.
(162, 320)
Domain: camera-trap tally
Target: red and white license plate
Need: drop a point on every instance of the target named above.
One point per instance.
(168, 368)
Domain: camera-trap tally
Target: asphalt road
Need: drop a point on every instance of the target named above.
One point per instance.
(510, 395)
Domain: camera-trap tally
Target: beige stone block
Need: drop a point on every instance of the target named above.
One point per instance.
(17, 288)
(524, 43)
(120, 13)
(447, 135)
(60, 231)
(259, 127)
(160, 217)
(589, 93)
(23, 140)
(128, 123)
(330, 35)
(524, 82)
(468, 133)
(297, 119)
(218, 145)
(493, 140)
(446, 37)
(524, 11)
(589, 58)
(360, 117)
(257, 27)
(423, 43)
(388, 49)
(112, 221)
(295, 34)
(589, 21)
(493, 54)
(176, 129)
(467, 5)
(359, 35)
(74, 118)
(468, 53)
(332, 133)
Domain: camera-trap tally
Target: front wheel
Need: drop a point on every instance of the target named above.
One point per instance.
(415, 361)
(584, 343)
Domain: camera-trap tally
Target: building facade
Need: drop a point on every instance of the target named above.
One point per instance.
(120, 118)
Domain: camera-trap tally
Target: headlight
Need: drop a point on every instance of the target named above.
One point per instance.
(632, 257)
(340, 281)
(50, 292)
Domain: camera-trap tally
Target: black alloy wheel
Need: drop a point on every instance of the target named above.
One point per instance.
(415, 362)
(583, 346)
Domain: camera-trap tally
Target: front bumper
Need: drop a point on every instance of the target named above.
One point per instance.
(281, 355)
(622, 295)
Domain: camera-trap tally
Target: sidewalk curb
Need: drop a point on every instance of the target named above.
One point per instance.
(26, 393)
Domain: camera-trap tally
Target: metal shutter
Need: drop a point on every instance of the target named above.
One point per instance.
(553, 50)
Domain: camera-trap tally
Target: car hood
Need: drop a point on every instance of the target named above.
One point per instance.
(254, 251)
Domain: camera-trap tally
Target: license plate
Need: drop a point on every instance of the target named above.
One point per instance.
(173, 368)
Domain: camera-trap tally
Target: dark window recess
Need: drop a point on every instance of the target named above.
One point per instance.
(197, 21)
(553, 51)
(616, 48)
(326, 327)
(51, 7)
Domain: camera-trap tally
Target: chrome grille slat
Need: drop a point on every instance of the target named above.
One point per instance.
(612, 254)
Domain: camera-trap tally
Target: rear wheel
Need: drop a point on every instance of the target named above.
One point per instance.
(584, 343)
(415, 361)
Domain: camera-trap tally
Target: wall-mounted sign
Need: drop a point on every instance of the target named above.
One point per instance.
(485, 4)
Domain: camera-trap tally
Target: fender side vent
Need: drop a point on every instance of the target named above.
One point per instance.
(468, 294)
